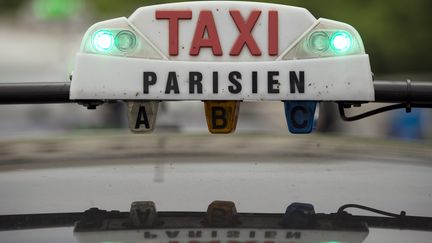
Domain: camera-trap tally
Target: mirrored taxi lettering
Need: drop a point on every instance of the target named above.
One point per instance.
(246, 235)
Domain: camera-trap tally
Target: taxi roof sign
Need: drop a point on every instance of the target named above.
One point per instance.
(250, 51)
(222, 52)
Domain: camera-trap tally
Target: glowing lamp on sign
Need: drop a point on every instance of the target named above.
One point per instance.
(341, 41)
(103, 40)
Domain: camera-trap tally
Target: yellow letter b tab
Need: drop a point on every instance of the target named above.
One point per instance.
(142, 116)
(222, 116)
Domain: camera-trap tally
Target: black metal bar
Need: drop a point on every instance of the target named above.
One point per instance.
(34, 93)
(58, 92)
(403, 92)
(402, 222)
(188, 219)
(406, 106)
(32, 221)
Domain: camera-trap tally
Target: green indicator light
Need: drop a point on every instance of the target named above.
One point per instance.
(319, 41)
(103, 40)
(125, 40)
(341, 41)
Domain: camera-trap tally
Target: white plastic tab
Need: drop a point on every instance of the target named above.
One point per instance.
(142, 116)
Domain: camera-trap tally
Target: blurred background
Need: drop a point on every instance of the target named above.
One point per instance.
(39, 39)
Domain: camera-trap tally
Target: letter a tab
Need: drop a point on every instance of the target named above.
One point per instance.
(222, 116)
(142, 116)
